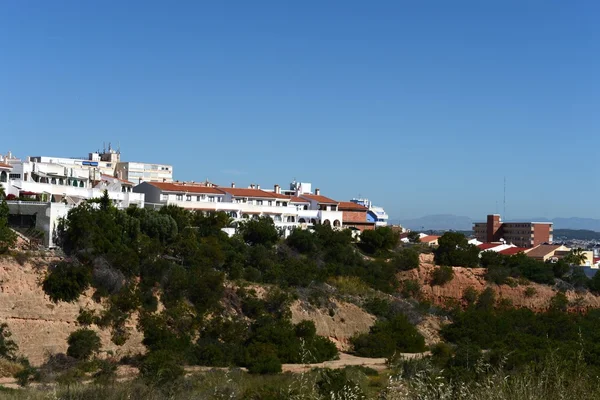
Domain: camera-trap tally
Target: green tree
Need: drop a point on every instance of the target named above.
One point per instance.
(7, 346)
(575, 257)
(377, 240)
(259, 231)
(442, 275)
(66, 282)
(7, 236)
(406, 259)
(455, 250)
(83, 343)
(414, 237)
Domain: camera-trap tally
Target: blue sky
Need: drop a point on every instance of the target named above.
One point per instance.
(422, 106)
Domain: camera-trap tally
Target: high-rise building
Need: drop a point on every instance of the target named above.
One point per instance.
(522, 234)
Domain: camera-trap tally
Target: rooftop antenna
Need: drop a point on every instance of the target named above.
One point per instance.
(504, 212)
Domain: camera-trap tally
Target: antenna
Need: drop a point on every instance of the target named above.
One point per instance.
(504, 212)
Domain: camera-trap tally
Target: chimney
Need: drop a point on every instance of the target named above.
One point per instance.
(233, 184)
(318, 192)
(258, 187)
(277, 189)
(252, 186)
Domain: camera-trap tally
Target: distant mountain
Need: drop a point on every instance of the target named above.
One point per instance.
(454, 222)
(438, 222)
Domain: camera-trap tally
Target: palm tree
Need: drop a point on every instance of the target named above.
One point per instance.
(576, 257)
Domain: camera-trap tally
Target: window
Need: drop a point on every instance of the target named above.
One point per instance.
(165, 197)
(259, 202)
(188, 198)
(284, 204)
(179, 197)
(270, 203)
(14, 176)
(219, 199)
(197, 198)
(211, 199)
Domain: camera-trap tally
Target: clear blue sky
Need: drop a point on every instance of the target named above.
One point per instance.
(423, 106)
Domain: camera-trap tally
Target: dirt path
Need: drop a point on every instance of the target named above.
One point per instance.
(125, 373)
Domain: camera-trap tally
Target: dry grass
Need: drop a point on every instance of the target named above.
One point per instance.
(9, 368)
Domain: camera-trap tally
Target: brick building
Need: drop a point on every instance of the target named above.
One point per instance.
(522, 234)
(355, 216)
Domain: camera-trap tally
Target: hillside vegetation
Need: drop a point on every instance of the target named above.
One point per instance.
(203, 300)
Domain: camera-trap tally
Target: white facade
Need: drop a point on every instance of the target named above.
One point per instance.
(138, 172)
(287, 212)
(375, 214)
(46, 216)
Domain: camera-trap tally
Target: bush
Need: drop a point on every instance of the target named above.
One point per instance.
(442, 275)
(470, 295)
(411, 288)
(83, 343)
(161, 367)
(7, 346)
(387, 337)
(262, 359)
(349, 285)
(66, 282)
(377, 240)
(335, 384)
(530, 291)
(406, 259)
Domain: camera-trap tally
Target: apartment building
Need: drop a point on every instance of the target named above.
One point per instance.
(521, 234)
(138, 172)
(375, 214)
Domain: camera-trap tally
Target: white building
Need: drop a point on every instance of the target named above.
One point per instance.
(287, 212)
(138, 172)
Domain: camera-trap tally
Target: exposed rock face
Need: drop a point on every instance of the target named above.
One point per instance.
(474, 277)
(347, 320)
(39, 326)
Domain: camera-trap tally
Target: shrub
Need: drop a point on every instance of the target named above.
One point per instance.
(83, 343)
(335, 384)
(377, 240)
(486, 300)
(442, 275)
(66, 282)
(349, 285)
(86, 317)
(378, 307)
(262, 359)
(406, 259)
(21, 257)
(411, 288)
(7, 346)
(470, 295)
(161, 367)
(387, 337)
(530, 291)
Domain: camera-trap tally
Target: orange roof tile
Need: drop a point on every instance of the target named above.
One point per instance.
(319, 199)
(350, 206)
(430, 238)
(512, 251)
(185, 188)
(2, 165)
(296, 199)
(487, 246)
(243, 192)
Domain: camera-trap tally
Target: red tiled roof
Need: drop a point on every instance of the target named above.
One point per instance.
(185, 188)
(430, 238)
(596, 259)
(296, 199)
(2, 165)
(350, 206)
(512, 251)
(319, 199)
(487, 246)
(243, 192)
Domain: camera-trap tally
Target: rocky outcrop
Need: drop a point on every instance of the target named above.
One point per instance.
(39, 326)
(533, 296)
(340, 324)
